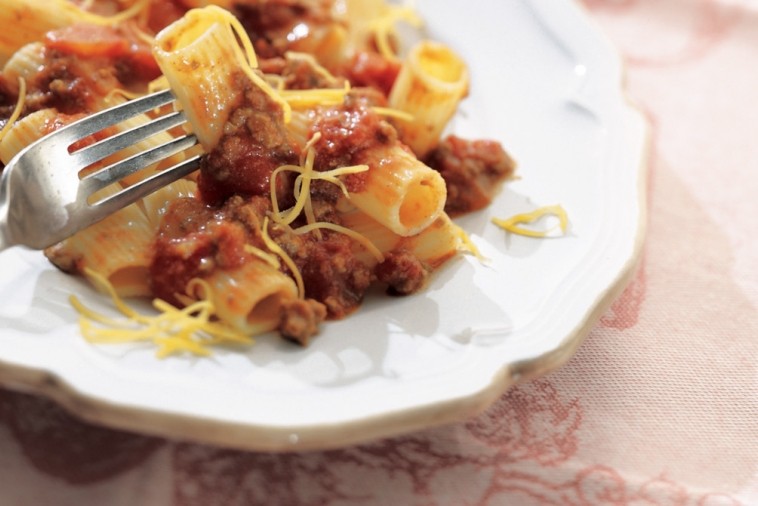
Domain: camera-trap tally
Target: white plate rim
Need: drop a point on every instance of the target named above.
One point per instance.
(389, 423)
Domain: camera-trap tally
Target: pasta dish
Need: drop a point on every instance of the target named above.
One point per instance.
(326, 168)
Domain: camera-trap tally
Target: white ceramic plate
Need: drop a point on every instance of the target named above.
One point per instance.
(546, 85)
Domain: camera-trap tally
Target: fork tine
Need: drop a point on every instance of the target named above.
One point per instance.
(117, 171)
(109, 117)
(145, 187)
(95, 152)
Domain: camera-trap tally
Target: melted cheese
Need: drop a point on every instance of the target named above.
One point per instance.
(171, 330)
(515, 222)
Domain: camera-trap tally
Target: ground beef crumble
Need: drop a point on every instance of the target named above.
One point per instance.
(300, 319)
(473, 172)
(254, 143)
(403, 273)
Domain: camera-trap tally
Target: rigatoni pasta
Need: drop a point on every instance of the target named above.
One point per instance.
(399, 191)
(200, 57)
(431, 83)
(251, 311)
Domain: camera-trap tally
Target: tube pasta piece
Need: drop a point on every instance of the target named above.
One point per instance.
(399, 191)
(118, 248)
(143, 145)
(433, 245)
(24, 64)
(200, 56)
(431, 83)
(437, 243)
(154, 205)
(25, 131)
(250, 298)
(383, 239)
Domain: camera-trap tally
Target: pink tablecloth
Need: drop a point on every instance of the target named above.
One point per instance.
(658, 407)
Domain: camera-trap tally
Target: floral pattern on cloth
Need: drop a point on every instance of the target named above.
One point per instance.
(659, 407)
(502, 457)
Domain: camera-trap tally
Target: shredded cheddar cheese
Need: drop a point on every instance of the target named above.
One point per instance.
(277, 250)
(306, 174)
(466, 244)
(515, 222)
(172, 330)
(383, 28)
(304, 99)
(312, 61)
(270, 259)
(16, 110)
(393, 113)
(363, 240)
(301, 192)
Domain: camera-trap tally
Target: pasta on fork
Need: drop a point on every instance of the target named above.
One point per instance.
(324, 171)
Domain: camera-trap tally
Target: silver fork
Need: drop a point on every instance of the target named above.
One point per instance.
(43, 200)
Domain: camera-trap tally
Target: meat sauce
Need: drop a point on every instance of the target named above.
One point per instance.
(255, 142)
(349, 130)
(372, 70)
(193, 240)
(473, 172)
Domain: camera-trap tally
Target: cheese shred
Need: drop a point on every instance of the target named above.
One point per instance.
(172, 330)
(277, 250)
(305, 99)
(393, 113)
(16, 110)
(301, 191)
(515, 223)
(360, 238)
(466, 245)
(383, 28)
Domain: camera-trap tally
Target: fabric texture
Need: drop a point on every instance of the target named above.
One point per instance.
(659, 407)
